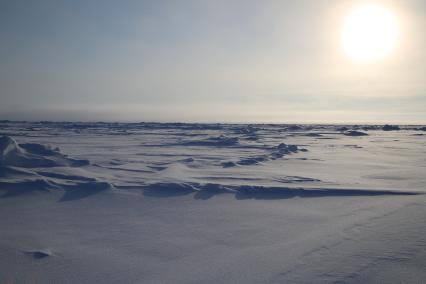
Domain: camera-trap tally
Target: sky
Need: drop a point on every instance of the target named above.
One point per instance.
(205, 61)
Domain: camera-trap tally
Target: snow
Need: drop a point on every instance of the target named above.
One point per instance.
(211, 203)
(355, 133)
(31, 155)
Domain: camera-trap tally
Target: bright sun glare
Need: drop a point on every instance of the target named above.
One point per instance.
(370, 32)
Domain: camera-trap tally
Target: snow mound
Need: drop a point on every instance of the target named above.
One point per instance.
(294, 128)
(228, 164)
(388, 127)
(355, 133)
(285, 149)
(39, 254)
(32, 155)
(276, 153)
(342, 129)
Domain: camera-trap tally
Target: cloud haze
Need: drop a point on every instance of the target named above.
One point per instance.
(236, 61)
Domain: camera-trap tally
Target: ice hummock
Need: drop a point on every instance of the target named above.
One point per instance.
(31, 155)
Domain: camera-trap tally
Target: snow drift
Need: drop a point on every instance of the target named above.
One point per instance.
(30, 167)
(31, 155)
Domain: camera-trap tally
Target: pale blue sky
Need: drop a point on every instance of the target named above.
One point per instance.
(206, 61)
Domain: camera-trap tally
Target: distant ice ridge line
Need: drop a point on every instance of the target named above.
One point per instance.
(237, 127)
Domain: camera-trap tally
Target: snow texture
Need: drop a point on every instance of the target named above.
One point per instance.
(211, 203)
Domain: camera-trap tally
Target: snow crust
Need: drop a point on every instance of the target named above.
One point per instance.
(211, 203)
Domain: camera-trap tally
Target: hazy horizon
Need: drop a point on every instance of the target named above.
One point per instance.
(202, 61)
(59, 121)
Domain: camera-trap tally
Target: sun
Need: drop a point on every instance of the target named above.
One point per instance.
(370, 32)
